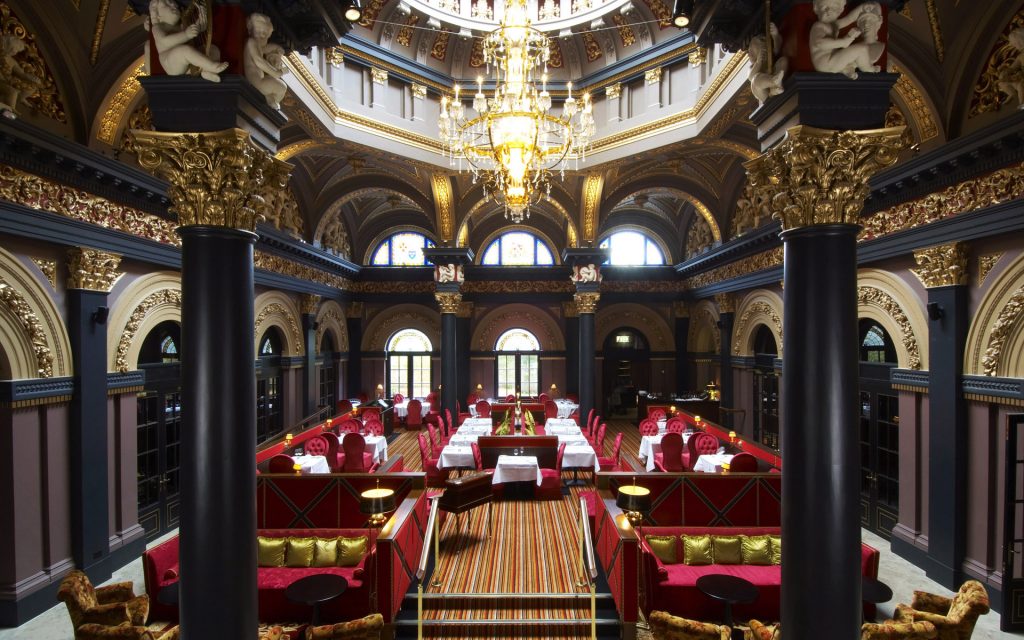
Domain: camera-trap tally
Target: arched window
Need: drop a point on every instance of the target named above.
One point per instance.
(269, 384)
(632, 248)
(161, 344)
(875, 343)
(327, 373)
(517, 248)
(409, 364)
(764, 341)
(403, 249)
(518, 363)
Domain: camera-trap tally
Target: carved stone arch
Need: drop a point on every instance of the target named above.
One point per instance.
(656, 238)
(33, 339)
(662, 183)
(277, 309)
(704, 332)
(996, 337)
(758, 307)
(889, 301)
(371, 248)
(508, 316)
(917, 104)
(137, 310)
(333, 210)
(121, 100)
(654, 328)
(382, 326)
(534, 231)
(359, 184)
(330, 319)
(462, 234)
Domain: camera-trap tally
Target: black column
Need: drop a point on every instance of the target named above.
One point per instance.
(821, 483)
(572, 356)
(218, 445)
(682, 356)
(947, 435)
(90, 528)
(354, 377)
(310, 386)
(727, 396)
(462, 356)
(586, 360)
(449, 364)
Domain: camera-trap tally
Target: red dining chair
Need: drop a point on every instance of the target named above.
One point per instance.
(656, 413)
(350, 425)
(542, 398)
(590, 421)
(550, 409)
(335, 445)
(648, 427)
(321, 445)
(598, 442)
(510, 397)
(671, 456)
(675, 425)
(483, 409)
(700, 443)
(550, 487)
(591, 433)
(436, 477)
(357, 460)
(414, 417)
(447, 432)
(397, 398)
(611, 463)
(436, 437)
(369, 413)
(471, 399)
(478, 460)
(281, 463)
(742, 462)
(374, 427)
(461, 415)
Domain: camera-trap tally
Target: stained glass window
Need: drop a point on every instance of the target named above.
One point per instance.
(403, 249)
(632, 248)
(517, 248)
(517, 340)
(409, 340)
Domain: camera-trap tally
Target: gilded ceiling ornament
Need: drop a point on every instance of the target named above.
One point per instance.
(334, 56)
(44, 96)
(286, 267)
(321, 329)
(976, 193)
(759, 308)
(555, 61)
(586, 302)
(448, 301)
(1002, 65)
(12, 300)
(441, 187)
(379, 76)
(726, 302)
(626, 34)
(698, 56)
(419, 91)
(613, 91)
(914, 99)
(128, 14)
(538, 323)
(158, 298)
(591, 47)
(894, 118)
(440, 49)
(392, 287)
(276, 203)
(215, 178)
(92, 270)
(97, 35)
(592, 186)
(680, 309)
(517, 286)
(49, 269)
(757, 262)
(753, 208)
(295, 149)
(819, 176)
(1003, 328)
(661, 12)
(878, 298)
(941, 266)
(652, 76)
(476, 54)
(985, 264)
(276, 308)
(119, 103)
(404, 36)
(370, 13)
(933, 20)
(308, 303)
(643, 286)
(334, 237)
(140, 119)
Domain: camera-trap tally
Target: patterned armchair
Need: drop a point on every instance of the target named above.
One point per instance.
(760, 631)
(891, 630)
(954, 617)
(110, 605)
(665, 626)
(368, 628)
(124, 631)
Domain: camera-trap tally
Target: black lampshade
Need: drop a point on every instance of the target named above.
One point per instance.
(681, 13)
(634, 498)
(375, 501)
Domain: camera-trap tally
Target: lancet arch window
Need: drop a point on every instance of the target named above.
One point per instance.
(632, 248)
(403, 249)
(409, 368)
(518, 249)
(517, 366)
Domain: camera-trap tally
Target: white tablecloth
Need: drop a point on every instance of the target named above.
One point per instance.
(517, 469)
(708, 462)
(378, 446)
(650, 445)
(456, 456)
(402, 408)
(552, 423)
(566, 407)
(481, 423)
(580, 457)
(572, 440)
(312, 464)
(464, 439)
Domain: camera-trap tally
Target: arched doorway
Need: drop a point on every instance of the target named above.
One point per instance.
(627, 370)
(269, 386)
(879, 430)
(766, 388)
(327, 363)
(158, 430)
(409, 371)
(517, 366)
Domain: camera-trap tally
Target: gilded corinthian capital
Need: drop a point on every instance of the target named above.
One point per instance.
(216, 179)
(586, 302)
(819, 176)
(449, 301)
(941, 266)
(91, 269)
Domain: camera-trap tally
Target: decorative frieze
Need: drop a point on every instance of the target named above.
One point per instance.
(879, 298)
(726, 302)
(652, 76)
(379, 76)
(92, 270)
(49, 269)
(277, 309)
(16, 305)
(680, 309)
(941, 266)
(159, 298)
(698, 56)
(613, 91)
(985, 264)
(759, 308)
(419, 91)
(1011, 313)
(334, 56)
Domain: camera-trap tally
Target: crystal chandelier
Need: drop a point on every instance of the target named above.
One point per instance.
(511, 141)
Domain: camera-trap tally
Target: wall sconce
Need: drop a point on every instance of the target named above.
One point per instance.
(100, 315)
(375, 503)
(935, 311)
(672, 410)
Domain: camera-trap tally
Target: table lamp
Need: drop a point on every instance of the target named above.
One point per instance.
(634, 501)
(376, 503)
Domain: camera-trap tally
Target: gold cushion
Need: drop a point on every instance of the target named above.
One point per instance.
(271, 551)
(697, 550)
(727, 549)
(299, 552)
(351, 551)
(756, 549)
(325, 552)
(664, 547)
(776, 549)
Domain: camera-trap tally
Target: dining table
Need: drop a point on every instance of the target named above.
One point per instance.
(402, 408)
(312, 464)
(711, 462)
(651, 445)
(512, 468)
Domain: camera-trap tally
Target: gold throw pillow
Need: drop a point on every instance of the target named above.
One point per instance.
(756, 549)
(697, 550)
(271, 551)
(664, 547)
(351, 551)
(299, 552)
(776, 549)
(325, 552)
(727, 549)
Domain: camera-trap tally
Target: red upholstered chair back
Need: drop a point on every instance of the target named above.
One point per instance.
(699, 444)
(424, 449)
(590, 421)
(617, 448)
(648, 427)
(332, 439)
(471, 400)
(656, 414)
(354, 446)
(543, 397)
(558, 458)
(374, 428)
(447, 424)
(317, 446)
(433, 438)
(743, 462)
(415, 411)
(398, 398)
(675, 425)
(350, 425)
(510, 397)
(672, 452)
(599, 441)
(550, 409)
(370, 412)
(572, 397)
(483, 409)
(477, 456)
(344, 406)
(281, 463)
(432, 399)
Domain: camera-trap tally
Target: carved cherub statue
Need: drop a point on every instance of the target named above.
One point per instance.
(16, 84)
(264, 61)
(586, 273)
(833, 53)
(764, 84)
(1011, 78)
(449, 273)
(172, 43)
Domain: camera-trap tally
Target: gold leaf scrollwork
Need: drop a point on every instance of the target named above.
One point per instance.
(985, 265)
(331, 314)
(277, 264)
(878, 298)
(91, 269)
(1003, 327)
(726, 302)
(308, 303)
(820, 176)
(18, 307)
(49, 269)
(757, 308)
(586, 302)
(159, 298)
(987, 96)
(449, 301)
(941, 266)
(293, 327)
(592, 186)
(45, 99)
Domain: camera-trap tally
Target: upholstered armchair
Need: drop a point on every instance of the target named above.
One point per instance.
(110, 605)
(759, 631)
(892, 630)
(954, 617)
(368, 628)
(124, 631)
(665, 626)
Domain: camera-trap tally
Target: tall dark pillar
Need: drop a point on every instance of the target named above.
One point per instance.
(572, 348)
(586, 304)
(462, 336)
(310, 386)
(726, 314)
(944, 272)
(449, 264)
(354, 367)
(91, 273)
(802, 177)
(683, 383)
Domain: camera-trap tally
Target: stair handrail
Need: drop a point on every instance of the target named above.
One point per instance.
(421, 569)
(590, 566)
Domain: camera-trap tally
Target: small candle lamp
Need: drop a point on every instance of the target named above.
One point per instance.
(672, 410)
(725, 467)
(732, 436)
(634, 500)
(298, 469)
(327, 424)
(712, 389)
(287, 440)
(696, 420)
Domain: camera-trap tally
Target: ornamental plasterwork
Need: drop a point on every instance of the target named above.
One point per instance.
(613, 91)
(933, 20)
(705, 317)
(997, 187)
(680, 309)
(334, 56)
(592, 186)
(379, 76)
(661, 12)
(283, 266)
(92, 270)
(442, 191)
(757, 262)
(698, 56)
(159, 298)
(985, 264)
(646, 323)
(1009, 316)
(97, 33)
(626, 34)
(141, 118)
(914, 99)
(393, 287)
(308, 303)
(586, 302)
(652, 76)
(569, 309)
(277, 309)
(894, 118)
(758, 308)
(419, 91)
(49, 269)
(699, 238)
(753, 208)
(20, 309)
(726, 302)
(535, 323)
(333, 315)
(448, 301)
(941, 266)
(119, 103)
(987, 96)
(878, 298)
(402, 320)
(281, 210)
(46, 99)
(643, 286)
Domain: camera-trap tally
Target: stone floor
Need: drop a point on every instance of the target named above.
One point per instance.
(899, 574)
